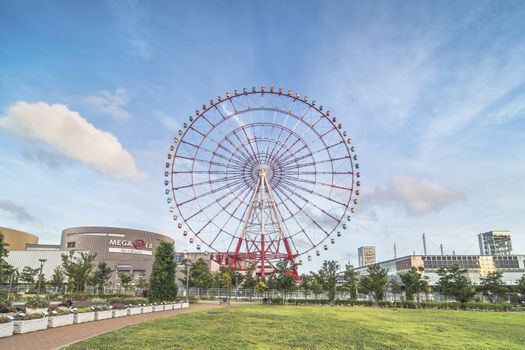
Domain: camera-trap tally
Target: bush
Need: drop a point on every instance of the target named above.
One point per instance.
(4, 319)
(29, 317)
(36, 303)
(5, 307)
(118, 306)
(60, 312)
(83, 310)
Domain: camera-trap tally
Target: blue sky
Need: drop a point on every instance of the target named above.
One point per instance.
(432, 93)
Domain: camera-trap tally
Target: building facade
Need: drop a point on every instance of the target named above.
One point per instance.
(495, 243)
(366, 255)
(512, 267)
(17, 240)
(123, 250)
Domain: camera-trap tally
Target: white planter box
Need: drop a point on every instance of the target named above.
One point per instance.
(168, 307)
(157, 308)
(185, 305)
(6, 329)
(134, 311)
(30, 311)
(177, 306)
(102, 315)
(59, 321)
(147, 309)
(84, 317)
(120, 312)
(30, 325)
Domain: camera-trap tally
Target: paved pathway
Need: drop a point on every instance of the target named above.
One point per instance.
(54, 338)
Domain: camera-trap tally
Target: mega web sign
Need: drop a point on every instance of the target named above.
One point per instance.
(137, 246)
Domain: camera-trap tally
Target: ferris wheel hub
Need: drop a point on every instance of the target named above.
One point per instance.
(262, 170)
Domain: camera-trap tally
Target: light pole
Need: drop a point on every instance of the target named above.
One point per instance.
(42, 262)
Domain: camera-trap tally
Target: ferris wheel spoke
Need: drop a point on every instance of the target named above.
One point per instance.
(218, 200)
(317, 172)
(313, 182)
(211, 152)
(211, 192)
(204, 161)
(241, 202)
(316, 206)
(219, 145)
(311, 154)
(304, 212)
(304, 189)
(302, 165)
(207, 182)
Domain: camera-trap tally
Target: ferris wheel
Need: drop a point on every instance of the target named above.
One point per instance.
(262, 175)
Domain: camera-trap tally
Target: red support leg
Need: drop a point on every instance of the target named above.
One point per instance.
(235, 255)
(292, 260)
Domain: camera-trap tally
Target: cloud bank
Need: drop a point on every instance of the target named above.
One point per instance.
(16, 211)
(111, 104)
(71, 135)
(417, 197)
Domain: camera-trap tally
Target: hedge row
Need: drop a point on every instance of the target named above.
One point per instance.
(441, 305)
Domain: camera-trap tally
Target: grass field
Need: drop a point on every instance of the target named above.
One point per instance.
(320, 327)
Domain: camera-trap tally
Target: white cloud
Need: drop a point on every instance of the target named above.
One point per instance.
(111, 104)
(72, 135)
(418, 197)
(169, 123)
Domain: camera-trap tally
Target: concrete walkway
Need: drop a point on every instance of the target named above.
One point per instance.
(54, 338)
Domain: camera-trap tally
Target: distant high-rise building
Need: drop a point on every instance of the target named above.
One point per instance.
(495, 243)
(366, 255)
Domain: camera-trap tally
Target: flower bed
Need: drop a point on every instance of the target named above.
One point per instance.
(147, 309)
(134, 311)
(120, 312)
(30, 324)
(84, 315)
(103, 314)
(60, 320)
(6, 327)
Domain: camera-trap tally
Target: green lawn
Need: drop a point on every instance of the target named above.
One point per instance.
(320, 327)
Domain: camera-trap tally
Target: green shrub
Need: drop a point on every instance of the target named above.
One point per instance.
(36, 303)
(4, 319)
(29, 317)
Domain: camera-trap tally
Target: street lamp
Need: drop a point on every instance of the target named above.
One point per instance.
(42, 262)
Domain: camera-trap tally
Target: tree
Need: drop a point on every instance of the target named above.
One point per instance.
(162, 279)
(125, 279)
(101, 276)
(328, 277)
(142, 283)
(316, 284)
(250, 281)
(200, 275)
(223, 278)
(306, 284)
(395, 287)
(351, 281)
(492, 286)
(521, 285)
(3, 263)
(453, 282)
(282, 279)
(29, 274)
(375, 282)
(78, 269)
(261, 287)
(58, 278)
(414, 282)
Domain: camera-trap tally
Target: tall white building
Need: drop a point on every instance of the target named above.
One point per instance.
(495, 243)
(366, 255)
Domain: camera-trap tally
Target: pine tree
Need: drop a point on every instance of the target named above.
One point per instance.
(101, 275)
(162, 280)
